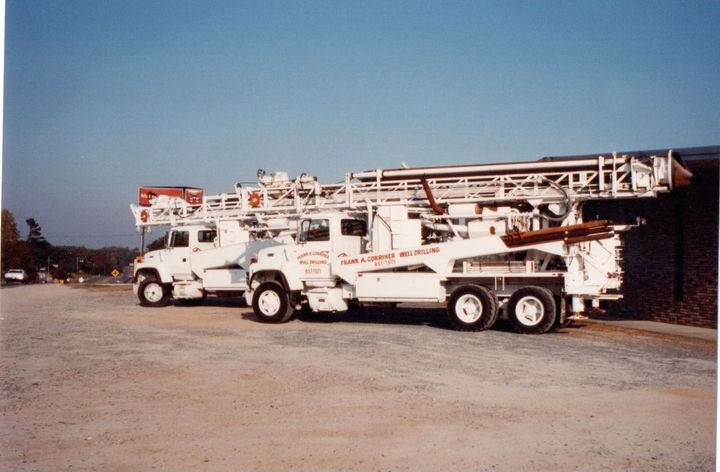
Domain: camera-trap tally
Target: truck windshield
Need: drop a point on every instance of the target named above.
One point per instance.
(314, 230)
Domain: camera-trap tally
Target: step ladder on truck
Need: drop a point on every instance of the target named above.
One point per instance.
(486, 240)
(211, 238)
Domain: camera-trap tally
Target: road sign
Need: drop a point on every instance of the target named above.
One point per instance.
(115, 273)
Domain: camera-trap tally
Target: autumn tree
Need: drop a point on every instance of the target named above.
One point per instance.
(34, 252)
(10, 238)
(16, 253)
(9, 229)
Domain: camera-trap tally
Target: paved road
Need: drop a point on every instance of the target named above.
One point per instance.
(92, 381)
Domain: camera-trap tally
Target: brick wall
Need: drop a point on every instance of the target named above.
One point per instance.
(671, 263)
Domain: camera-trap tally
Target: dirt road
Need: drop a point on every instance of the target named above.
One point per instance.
(92, 381)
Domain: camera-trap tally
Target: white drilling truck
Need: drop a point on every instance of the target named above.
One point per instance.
(485, 240)
(211, 238)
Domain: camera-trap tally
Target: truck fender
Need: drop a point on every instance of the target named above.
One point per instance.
(145, 273)
(161, 275)
(276, 275)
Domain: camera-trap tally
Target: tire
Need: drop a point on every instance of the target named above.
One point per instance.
(532, 310)
(472, 308)
(271, 303)
(152, 293)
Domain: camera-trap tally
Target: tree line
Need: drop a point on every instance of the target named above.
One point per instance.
(35, 253)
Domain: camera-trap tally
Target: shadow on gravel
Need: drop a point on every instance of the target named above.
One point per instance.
(212, 301)
(431, 317)
(388, 316)
(434, 318)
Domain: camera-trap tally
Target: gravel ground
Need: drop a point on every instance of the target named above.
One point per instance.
(92, 381)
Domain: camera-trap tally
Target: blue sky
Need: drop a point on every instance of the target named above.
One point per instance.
(104, 96)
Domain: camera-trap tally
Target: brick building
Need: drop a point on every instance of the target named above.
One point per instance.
(671, 263)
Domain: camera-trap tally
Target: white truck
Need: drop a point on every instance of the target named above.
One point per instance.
(484, 240)
(197, 260)
(211, 238)
(15, 276)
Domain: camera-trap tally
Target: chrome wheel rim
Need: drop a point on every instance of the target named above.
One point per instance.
(468, 308)
(529, 311)
(153, 292)
(269, 303)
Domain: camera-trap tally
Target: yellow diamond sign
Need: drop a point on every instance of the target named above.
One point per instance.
(115, 273)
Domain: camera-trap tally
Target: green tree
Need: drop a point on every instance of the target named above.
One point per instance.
(35, 237)
(38, 245)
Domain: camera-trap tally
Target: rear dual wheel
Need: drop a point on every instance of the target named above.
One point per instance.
(532, 310)
(472, 308)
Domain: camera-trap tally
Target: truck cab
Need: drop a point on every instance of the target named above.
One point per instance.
(324, 235)
(306, 265)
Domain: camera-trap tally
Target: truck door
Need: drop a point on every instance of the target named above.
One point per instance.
(202, 245)
(205, 240)
(177, 256)
(313, 254)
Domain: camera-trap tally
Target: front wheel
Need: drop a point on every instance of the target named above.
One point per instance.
(472, 308)
(152, 293)
(532, 310)
(271, 304)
